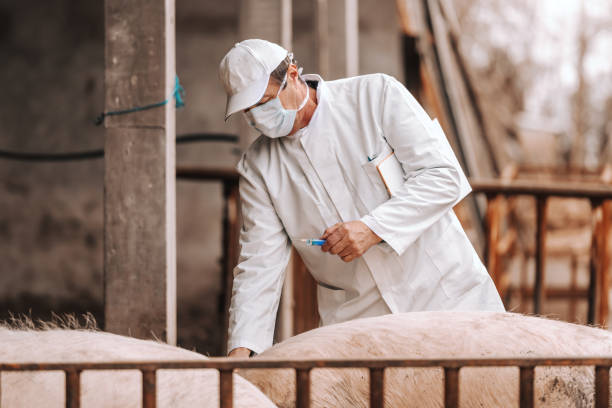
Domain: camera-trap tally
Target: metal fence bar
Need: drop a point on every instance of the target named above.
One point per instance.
(602, 386)
(302, 383)
(73, 388)
(377, 387)
(148, 388)
(526, 387)
(226, 388)
(451, 387)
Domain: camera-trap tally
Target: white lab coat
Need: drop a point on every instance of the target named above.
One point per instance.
(297, 186)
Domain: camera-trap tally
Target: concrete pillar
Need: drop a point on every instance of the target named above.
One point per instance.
(337, 29)
(139, 178)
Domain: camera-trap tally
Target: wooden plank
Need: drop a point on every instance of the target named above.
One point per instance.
(139, 177)
(526, 387)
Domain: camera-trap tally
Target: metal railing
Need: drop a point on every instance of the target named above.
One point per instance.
(302, 368)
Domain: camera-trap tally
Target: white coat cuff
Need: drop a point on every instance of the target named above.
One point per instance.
(235, 343)
(372, 224)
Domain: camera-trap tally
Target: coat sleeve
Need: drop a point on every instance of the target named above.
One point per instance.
(259, 275)
(434, 180)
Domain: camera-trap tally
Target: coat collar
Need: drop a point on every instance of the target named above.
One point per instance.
(323, 98)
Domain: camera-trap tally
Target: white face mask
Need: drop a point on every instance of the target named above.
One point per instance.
(271, 118)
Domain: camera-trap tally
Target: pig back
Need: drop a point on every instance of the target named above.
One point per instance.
(440, 334)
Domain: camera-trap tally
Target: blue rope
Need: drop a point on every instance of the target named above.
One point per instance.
(177, 93)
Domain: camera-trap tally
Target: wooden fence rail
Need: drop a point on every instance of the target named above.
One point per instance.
(302, 367)
(599, 196)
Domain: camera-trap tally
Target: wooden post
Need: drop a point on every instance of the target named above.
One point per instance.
(604, 262)
(493, 226)
(602, 386)
(226, 388)
(526, 386)
(305, 309)
(540, 254)
(231, 232)
(139, 178)
(451, 387)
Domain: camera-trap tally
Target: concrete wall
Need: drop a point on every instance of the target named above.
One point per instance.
(51, 214)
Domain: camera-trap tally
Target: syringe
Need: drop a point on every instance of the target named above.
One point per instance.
(313, 242)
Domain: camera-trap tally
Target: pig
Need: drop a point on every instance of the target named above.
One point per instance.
(56, 343)
(439, 334)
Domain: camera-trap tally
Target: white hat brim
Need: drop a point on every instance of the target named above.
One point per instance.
(247, 97)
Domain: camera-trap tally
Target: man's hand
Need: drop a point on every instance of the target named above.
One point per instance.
(240, 352)
(349, 240)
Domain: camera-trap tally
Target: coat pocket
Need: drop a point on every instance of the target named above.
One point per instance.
(378, 192)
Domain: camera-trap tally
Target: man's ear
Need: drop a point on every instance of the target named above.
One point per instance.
(292, 71)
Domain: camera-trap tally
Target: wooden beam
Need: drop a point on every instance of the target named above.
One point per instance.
(542, 188)
(139, 178)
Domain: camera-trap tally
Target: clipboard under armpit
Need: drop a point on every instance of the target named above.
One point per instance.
(391, 173)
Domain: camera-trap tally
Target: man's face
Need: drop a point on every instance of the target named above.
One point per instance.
(290, 96)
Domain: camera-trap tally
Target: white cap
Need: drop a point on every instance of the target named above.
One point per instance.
(245, 71)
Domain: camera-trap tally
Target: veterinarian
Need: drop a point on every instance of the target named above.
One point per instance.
(315, 172)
